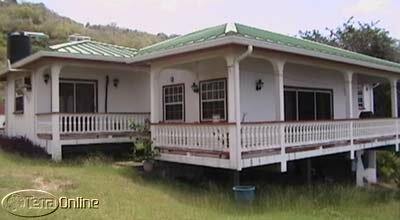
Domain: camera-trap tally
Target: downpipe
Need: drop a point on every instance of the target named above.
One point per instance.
(248, 52)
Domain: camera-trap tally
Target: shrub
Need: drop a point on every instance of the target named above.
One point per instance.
(389, 167)
(22, 146)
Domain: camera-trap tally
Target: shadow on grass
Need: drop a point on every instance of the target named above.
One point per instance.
(212, 194)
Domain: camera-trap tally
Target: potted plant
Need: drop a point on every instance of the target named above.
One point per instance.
(142, 148)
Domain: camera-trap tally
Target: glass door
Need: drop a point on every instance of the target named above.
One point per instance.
(78, 96)
(308, 104)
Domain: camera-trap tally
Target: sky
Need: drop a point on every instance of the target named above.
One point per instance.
(184, 16)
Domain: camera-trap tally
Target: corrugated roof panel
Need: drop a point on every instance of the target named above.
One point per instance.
(103, 49)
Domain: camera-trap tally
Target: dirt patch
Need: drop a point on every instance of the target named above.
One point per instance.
(53, 184)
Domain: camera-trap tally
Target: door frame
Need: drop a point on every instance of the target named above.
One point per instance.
(314, 90)
(85, 81)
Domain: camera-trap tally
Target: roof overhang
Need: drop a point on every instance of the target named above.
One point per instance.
(226, 40)
(52, 54)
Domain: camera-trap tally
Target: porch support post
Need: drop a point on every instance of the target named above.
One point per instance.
(56, 152)
(395, 113)
(393, 91)
(366, 167)
(348, 80)
(348, 85)
(233, 112)
(155, 95)
(278, 67)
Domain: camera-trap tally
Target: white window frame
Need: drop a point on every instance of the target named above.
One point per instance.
(213, 100)
(361, 97)
(19, 93)
(182, 103)
(311, 90)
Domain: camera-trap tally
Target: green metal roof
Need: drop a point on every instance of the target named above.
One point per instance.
(218, 32)
(88, 47)
(262, 36)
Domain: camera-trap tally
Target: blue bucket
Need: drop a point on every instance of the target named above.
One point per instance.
(244, 194)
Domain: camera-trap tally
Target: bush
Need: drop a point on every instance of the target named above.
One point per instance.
(22, 146)
(389, 167)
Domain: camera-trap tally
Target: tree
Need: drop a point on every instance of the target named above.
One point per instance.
(365, 38)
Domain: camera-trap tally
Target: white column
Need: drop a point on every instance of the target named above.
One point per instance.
(234, 112)
(348, 84)
(56, 152)
(395, 114)
(155, 96)
(6, 101)
(393, 91)
(278, 66)
(366, 170)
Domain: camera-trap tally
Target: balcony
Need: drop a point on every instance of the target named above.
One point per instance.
(262, 143)
(74, 126)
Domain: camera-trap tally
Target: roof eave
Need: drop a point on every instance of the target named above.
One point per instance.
(261, 44)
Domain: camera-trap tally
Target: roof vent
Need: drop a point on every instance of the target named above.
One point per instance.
(77, 37)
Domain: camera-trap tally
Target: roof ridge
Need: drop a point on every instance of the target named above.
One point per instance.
(181, 36)
(113, 45)
(230, 27)
(59, 46)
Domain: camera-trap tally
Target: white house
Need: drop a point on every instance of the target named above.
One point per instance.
(230, 96)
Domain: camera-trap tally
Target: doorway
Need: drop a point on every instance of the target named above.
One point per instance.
(305, 104)
(78, 96)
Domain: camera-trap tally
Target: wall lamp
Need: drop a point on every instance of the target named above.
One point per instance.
(259, 85)
(46, 78)
(195, 88)
(116, 82)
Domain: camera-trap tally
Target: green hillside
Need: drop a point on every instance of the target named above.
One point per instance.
(38, 18)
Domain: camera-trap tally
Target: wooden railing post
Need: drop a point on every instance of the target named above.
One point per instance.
(283, 147)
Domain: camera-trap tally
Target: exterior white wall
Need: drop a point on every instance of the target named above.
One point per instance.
(19, 124)
(189, 74)
(131, 95)
(257, 105)
(260, 105)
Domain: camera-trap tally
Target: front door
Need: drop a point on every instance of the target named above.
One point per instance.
(308, 104)
(78, 96)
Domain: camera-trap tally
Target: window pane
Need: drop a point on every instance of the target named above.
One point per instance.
(306, 105)
(173, 102)
(67, 97)
(211, 109)
(85, 98)
(213, 99)
(290, 106)
(19, 104)
(324, 107)
(174, 112)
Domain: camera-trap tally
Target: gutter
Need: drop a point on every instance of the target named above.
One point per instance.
(261, 44)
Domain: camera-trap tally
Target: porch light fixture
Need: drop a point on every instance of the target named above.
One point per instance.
(259, 85)
(195, 88)
(116, 82)
(46, 78)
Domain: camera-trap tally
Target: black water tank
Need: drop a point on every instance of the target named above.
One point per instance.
(18, 46)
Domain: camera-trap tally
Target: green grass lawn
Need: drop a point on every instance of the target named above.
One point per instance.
(125, 194)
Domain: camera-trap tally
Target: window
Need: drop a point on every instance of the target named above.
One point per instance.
(360, 97)
(174, 101)
(19, 96)
(78, 96)
(308, 104)
(213, 100)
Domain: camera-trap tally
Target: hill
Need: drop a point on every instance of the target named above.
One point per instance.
(38, 18)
